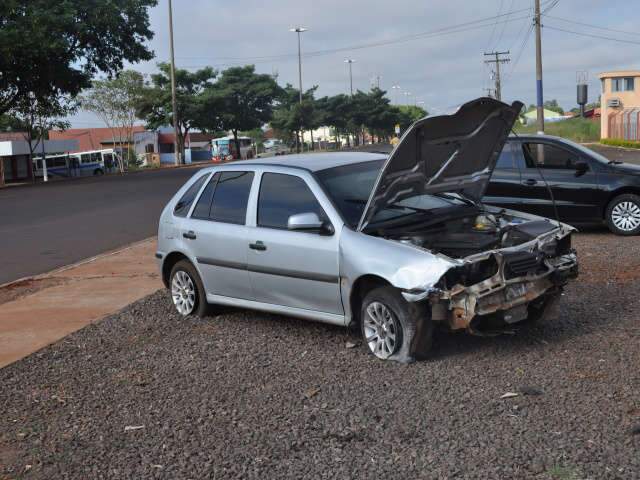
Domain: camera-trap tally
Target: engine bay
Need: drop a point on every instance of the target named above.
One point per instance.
(459, 236)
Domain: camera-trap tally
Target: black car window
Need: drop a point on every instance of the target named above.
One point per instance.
(543, 155)
(282, 196)
(230, 197)
(203, 207)
(182, 207)
(505, 160)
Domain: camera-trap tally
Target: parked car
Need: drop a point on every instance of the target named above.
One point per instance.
(587, 188)
(395, 245)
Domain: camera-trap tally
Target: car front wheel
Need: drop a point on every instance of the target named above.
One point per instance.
(187, 291)
(393, 328)
(623, 214)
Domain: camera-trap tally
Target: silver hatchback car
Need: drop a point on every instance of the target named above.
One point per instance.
(396, 245)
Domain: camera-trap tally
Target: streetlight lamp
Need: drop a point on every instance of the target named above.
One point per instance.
(299, 30)
(350, 62)
(395, 88)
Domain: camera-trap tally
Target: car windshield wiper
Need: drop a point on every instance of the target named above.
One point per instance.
(615, 162)
(456, 197)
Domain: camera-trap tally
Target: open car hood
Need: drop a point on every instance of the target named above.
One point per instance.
(448, 153)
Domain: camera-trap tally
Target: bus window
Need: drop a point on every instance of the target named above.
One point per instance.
(86, 158)
(96, 157)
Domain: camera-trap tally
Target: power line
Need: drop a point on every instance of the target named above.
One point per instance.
(504, 27)
(626, 32)
(493, 30)
(461, 27)
(523, 45)
(602, 37)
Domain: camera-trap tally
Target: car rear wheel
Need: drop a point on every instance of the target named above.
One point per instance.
(623, 214)
(187, 291)
(393, 328)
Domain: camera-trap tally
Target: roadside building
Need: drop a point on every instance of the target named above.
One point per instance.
(620, 105)
(14, 155)
(531, 117)
(98, 138)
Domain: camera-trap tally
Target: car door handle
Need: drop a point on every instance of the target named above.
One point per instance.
(530, 181)
(258, 246)
(190, 235)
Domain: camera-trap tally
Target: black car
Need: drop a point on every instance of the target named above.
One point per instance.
(587, 187)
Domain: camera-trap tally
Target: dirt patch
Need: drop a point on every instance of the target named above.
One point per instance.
(22, 288)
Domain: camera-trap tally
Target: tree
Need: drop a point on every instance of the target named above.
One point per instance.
(50, 48)
(115, 101)
(193, 98)
(407, 114)
(242, 100)
(335, 113)
(35, 117)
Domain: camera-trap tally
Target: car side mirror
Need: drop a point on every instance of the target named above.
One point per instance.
(309, 222)
(581, 168)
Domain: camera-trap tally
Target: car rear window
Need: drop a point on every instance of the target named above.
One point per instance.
(282, 196)
(230, 197)
(184, 204)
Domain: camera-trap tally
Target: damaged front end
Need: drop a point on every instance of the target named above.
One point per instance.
(496, 288)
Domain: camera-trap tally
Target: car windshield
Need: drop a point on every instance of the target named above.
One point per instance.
(349, 186)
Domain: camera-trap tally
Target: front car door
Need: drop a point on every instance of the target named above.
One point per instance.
(571, 177)
(216, 234)
(504, 189)
(295, 269)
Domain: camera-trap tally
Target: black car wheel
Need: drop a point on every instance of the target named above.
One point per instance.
(393, 328)
(623, 214)
(187, 291)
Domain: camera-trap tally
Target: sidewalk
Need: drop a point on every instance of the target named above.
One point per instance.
(44, 309)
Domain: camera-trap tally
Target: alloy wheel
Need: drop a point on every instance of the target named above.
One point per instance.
(382, 330)
(626, 216)
(183, 292)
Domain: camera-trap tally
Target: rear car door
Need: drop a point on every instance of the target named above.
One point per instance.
(292, 268)
(216, 234)
(570, 176)
(504, 189)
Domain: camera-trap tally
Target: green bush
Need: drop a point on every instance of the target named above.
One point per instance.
(616, 142)
(579, 130)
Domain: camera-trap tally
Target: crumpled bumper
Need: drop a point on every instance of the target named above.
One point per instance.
(503, 293)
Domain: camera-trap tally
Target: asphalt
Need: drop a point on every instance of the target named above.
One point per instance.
(46, 226)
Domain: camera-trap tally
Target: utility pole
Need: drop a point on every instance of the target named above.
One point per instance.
(174, 103)
(299, 30)
(540, 97)
(497, 61)
(350, 62)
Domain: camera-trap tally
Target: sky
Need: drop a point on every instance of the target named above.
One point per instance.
(408, 43)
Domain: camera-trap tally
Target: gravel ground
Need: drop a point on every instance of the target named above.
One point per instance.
(247, 395)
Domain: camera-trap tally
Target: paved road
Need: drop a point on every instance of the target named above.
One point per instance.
(46, 226)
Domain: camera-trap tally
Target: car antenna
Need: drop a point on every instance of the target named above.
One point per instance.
(553, 200)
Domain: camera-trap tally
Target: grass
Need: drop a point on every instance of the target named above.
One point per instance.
(615, 142)
(579, 130)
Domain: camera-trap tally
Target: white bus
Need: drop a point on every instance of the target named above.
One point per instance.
(94, 162)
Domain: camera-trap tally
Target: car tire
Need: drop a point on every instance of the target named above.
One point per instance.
(187, 291)
(394, 329)
(623, 214)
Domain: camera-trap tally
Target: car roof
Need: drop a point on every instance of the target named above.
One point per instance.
(537, 136)
(314, 161)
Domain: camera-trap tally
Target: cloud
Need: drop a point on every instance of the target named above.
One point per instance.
(442, 70)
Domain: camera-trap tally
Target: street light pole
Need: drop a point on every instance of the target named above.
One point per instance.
(350, 62)
(299, 30)
(395, 93)
(174, 102)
